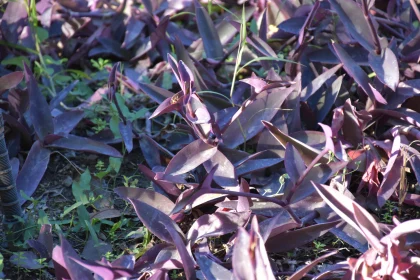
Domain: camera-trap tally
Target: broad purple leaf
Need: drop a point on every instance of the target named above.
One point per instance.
(102, 270)
(210, 269)
(40, 248)
(329, 144)
(392, 175)
(125, 261)
(156, 93)
(248, 123)
(33, 169)
(150, 197)
(404, 228)
(55, 102)
(352, 130)
(327, 100)
(317, 83)
(242, 263)
(350, 13)
(28, 260)
(10, 81)
(225, 174)
(308, 153)
(320, 173)
(276, 225)
(150, 151)
(287, 241)
(65, 267)
(39, 110)
(187, 259)
(45, 237)
(67, 121)
(95, 250)
(369, 227)
(344, 207)
(294, 163)
(257, 161)
(155, 220)
(385, 66)
(190, 157)
(219, 223)
(126, 131)
(13, 21)
(292, 25)
(82, 144)
(169, 188)
(304, 270)
(357, 73)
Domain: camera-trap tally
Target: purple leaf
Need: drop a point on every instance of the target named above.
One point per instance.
(386, 67)
(317, 83)
(169, 188)
(392, 175)
(369, 227)
(187, 259)
(28, 260)
(404, 228)
(302, 272)
(13, 21)
(10, 81)
(40, 248)
(126, 131)
(293, 163)
(211, 41)
(33, 169)
(257, 161)
(344, 207)
(217, 224)
(55, 102)
(73, 142)
(190, 157)
(307, 152)
(248, 123)
(103, 271)
(212, 270)
(64, 257)
(294, 239)
(67, 121)
(357, 73)
(225, 174)
(250, 260)
(242, 259)
(278, 224)
(160, 202)
(325, 103)
(352, 130)
(350, 13)
(155, 220)
(39, 110)
(156, 93)
(292, 25)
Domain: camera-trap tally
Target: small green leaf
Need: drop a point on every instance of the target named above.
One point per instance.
(16, 61)
(81, 187)
(41, 34)
(113, 125)
(115, 164)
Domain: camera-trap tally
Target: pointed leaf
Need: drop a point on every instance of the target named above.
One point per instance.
(33, 170)
(294, 163)
(351, 14)
(67, 121)
(73, 142)
(294, 239)
(10, 81)
(304, 270)
(156, 93)
(386, 67)
(211, 41)
(357, 73)
(155, 220)
(55, 102)
(217, 224)
(225, 174)
(317, 83)
(308, 153)
(126, 131)
(210, 269)
(369, 227)
(190, 157)
(150, 197)
(344, 207)
(39, 110)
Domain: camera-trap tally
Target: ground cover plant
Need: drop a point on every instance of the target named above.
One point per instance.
(210, 139)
